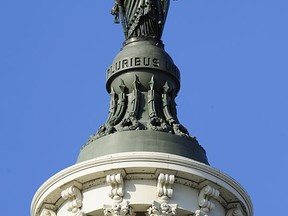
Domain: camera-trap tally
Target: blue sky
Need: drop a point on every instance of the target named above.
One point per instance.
(232, 56)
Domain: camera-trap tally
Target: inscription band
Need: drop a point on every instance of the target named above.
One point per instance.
(143, 62)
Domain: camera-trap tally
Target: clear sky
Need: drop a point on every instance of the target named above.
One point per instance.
(233, 60)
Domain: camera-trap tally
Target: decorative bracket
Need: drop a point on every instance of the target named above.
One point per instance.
(234, 212)
(74, 197)
(234, 209)
(117, 184)
(204, 200)
(164, 190)
(47, 212)
(118, 209)
(162, 209)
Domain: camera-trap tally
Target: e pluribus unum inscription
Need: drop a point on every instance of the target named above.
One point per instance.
(143, 62)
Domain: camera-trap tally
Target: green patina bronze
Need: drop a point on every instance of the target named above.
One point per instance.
(143, 82)
(141, 18)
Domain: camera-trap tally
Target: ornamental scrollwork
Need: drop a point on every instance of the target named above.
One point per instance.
(234, 212)
(117, 187)
(74, 197)
(204, 200)
(164, 186)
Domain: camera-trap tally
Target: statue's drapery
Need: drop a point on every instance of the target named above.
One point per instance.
(142, 17)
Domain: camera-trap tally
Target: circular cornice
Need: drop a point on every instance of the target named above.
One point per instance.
(140, 159)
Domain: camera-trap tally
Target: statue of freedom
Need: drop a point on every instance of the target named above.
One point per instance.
(141, 18)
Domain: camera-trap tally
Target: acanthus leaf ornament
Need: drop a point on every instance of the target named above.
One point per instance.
(117, 209)
(162, 209)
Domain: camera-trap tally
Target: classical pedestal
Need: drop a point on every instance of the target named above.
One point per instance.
(141, 183)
